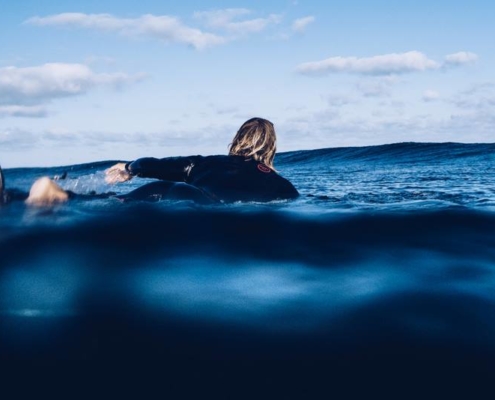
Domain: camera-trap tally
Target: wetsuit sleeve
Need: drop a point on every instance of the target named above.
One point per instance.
(170, 169)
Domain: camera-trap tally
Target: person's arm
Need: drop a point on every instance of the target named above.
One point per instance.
(171, 169)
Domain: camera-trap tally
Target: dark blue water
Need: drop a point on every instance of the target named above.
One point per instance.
(379, 279)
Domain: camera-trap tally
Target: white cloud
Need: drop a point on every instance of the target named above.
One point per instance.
(172, 142)
(98, 21)
(480, 97)
(376, 86)
(460, 58)
(220, 18)
(339, 100)
(48, 81)
(430, 95)
(22, 111)
(300, 24)
(387, 64)
(396, 63)
(24, 90)
(328, 129)
(163, 27)
(484, 87)
(226, 19)
(16, 139)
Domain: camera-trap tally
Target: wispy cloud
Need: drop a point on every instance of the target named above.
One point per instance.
(23, 90)
(14, 139)
(430, 95)
(460, 58)
(228, 20)
(340, 100)
(388, 127)
(220, 18)
(478, 88)
(376, 86)
(300, 24)
(163, 27)
(479, 97)
(395, 63)
(23, 111)
(387, 64)
(216, 27)
(174, 141)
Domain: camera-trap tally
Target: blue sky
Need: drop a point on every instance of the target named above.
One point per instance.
(86, 81)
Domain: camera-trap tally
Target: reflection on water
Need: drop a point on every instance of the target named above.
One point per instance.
(290, 296)
(247, 292)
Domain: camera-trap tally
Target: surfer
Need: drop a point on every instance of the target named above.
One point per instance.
(245, 174)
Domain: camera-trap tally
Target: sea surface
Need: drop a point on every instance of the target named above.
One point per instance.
(378, 280)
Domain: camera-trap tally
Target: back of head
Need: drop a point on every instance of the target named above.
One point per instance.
(255, 139)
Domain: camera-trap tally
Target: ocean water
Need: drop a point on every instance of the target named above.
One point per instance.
(379, 279)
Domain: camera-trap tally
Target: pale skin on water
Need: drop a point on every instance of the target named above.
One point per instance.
(45, 191)
(117, 174)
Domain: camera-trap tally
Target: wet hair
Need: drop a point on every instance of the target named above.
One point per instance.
(255, 139)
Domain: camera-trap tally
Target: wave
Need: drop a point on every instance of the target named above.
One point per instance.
(397, 176)
(407, 152)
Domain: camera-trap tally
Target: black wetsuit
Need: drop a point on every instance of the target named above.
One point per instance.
(210, 179)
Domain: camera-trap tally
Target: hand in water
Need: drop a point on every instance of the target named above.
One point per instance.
(117, 174)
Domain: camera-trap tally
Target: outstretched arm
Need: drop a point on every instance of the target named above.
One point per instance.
(117, 173)
(171, 169)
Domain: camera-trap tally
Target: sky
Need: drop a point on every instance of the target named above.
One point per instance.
(93, 80)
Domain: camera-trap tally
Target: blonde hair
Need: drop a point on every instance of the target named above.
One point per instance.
(255, 139)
